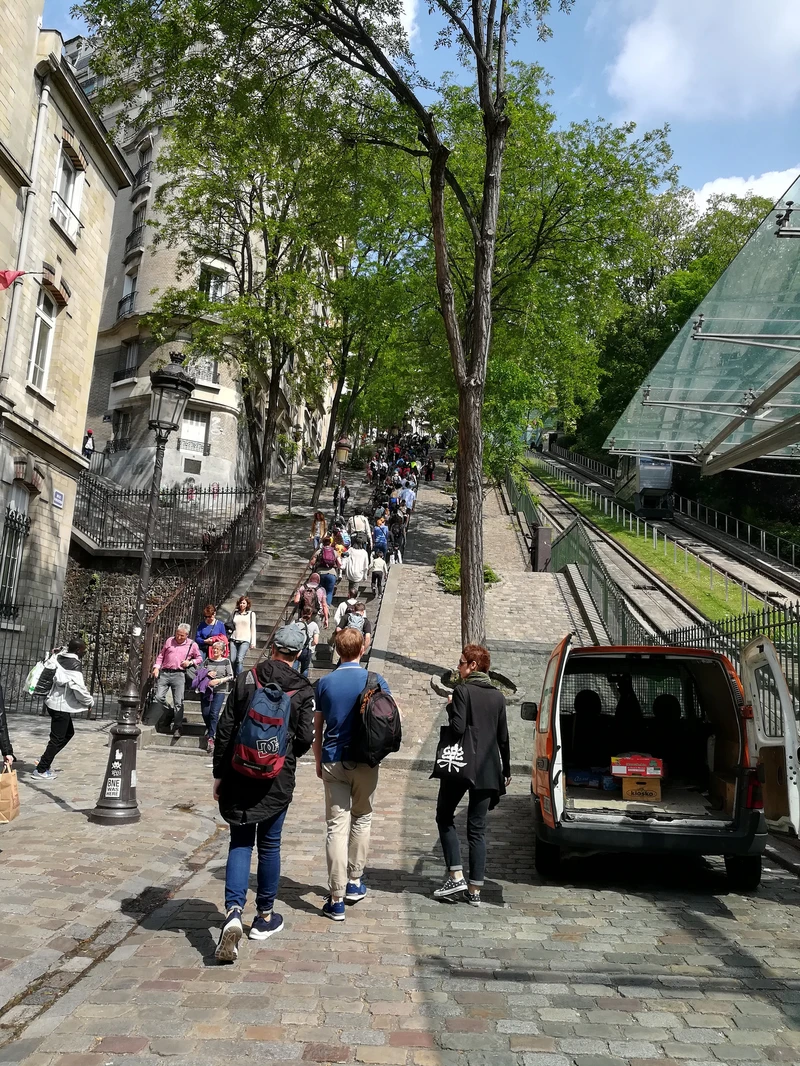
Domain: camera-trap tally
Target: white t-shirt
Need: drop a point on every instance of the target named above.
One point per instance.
(343, 609)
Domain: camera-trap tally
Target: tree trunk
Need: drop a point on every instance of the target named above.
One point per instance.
(271, 420)
(470, 506)
(327, 451)
(256, 451)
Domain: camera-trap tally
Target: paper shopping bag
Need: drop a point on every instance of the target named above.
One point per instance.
(9, 796)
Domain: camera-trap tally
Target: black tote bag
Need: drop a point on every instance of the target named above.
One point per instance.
(455, 758)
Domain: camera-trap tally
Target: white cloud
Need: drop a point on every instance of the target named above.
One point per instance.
(701, 59)
(772, 184)
(408, 17)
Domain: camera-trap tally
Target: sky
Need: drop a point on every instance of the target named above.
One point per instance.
(724, 74)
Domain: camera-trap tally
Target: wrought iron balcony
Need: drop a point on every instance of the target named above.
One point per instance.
(134, 240)
(118, 444)
(126, 304)
(142, 176)
(197, 446)
(124, 373)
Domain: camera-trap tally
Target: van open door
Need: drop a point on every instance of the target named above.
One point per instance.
(773, 732)
(547, 762)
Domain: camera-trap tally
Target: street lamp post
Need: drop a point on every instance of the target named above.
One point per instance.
(171, 388)
(342, 452)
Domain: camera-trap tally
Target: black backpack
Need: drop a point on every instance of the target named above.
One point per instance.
(377, 731)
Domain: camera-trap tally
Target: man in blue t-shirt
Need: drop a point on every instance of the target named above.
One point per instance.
(349, 787)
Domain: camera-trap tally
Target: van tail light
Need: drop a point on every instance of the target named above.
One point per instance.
(754, 800)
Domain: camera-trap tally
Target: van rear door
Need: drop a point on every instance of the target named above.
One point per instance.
(547, 758)
(774, 732)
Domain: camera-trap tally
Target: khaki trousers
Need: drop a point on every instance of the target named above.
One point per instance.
(349, 793)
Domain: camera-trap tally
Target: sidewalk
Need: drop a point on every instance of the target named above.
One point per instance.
(526, 616)
(70, 889)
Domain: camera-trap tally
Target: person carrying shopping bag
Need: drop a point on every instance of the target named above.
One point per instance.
(473, 759)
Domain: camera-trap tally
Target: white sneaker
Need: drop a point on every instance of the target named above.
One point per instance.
(228, 946)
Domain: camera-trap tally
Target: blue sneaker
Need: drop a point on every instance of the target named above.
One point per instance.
(44, 775)
(353, 893)
(263, 928)
(333, 910)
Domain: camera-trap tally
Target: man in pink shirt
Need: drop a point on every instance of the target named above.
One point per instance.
(170, 672)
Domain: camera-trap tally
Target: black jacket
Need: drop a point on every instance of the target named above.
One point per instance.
(5, 740)
(242, 799)
(489, 730)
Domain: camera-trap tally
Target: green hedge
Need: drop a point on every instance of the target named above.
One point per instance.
(448, 570)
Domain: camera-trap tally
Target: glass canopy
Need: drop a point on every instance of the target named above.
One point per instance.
(727, 390)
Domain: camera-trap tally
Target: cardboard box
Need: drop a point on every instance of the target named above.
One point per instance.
(637, 766)
(641, 789)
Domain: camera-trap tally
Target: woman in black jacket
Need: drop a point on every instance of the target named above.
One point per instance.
(255, 807)
(480, 708)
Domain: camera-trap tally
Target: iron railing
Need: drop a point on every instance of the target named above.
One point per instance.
(124, 373)
(141, 177)
(189, 520)
(118, 444)
(573, 547)
(583, 460)
(522, 501)
(30, 630)
(135, 239)
(197, 446)
(783, 548)
(126, 304)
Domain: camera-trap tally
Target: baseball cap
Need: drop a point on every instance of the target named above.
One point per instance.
(289, 638)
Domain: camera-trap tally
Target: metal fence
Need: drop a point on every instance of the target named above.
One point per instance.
(787, 551)
(189, 519)
(30, 630)
(601, 469)
(573, 547)
(782, 548)
(522, 501)
(728, 637)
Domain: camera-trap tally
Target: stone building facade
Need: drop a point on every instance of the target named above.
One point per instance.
(60, 176)
(212, 446)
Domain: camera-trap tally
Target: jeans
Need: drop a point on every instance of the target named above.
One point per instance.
(349, 793)
(238, 651)
(328, 583)
(267, 836)
(450, 795)
(61, 733)
(303, 661)
(377, 582)
(211, 703)
(173, 681)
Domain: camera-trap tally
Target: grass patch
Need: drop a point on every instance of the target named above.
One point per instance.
(448, 570)
(687, 574)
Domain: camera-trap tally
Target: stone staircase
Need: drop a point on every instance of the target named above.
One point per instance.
(273, 580)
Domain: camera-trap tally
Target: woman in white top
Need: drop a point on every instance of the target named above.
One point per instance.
(243, 620)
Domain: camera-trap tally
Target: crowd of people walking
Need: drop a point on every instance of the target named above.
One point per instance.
(260, 721)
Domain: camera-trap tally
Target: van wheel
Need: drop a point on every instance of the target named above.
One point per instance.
(547, 859)
(744, 872)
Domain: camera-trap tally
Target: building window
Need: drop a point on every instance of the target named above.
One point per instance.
(213, 284)
(122, 432)
(65, 207)
(131, 355)
(43, 330)
(128, 301)
(204, 370)
(194, 432)
(15, 529)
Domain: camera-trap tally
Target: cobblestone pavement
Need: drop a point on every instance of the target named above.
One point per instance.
(526, 615)
(624, 964)
(68, 888)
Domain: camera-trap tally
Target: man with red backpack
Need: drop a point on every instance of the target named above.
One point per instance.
(265, 726)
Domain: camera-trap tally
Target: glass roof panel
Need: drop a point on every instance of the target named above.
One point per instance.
(700, 385)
